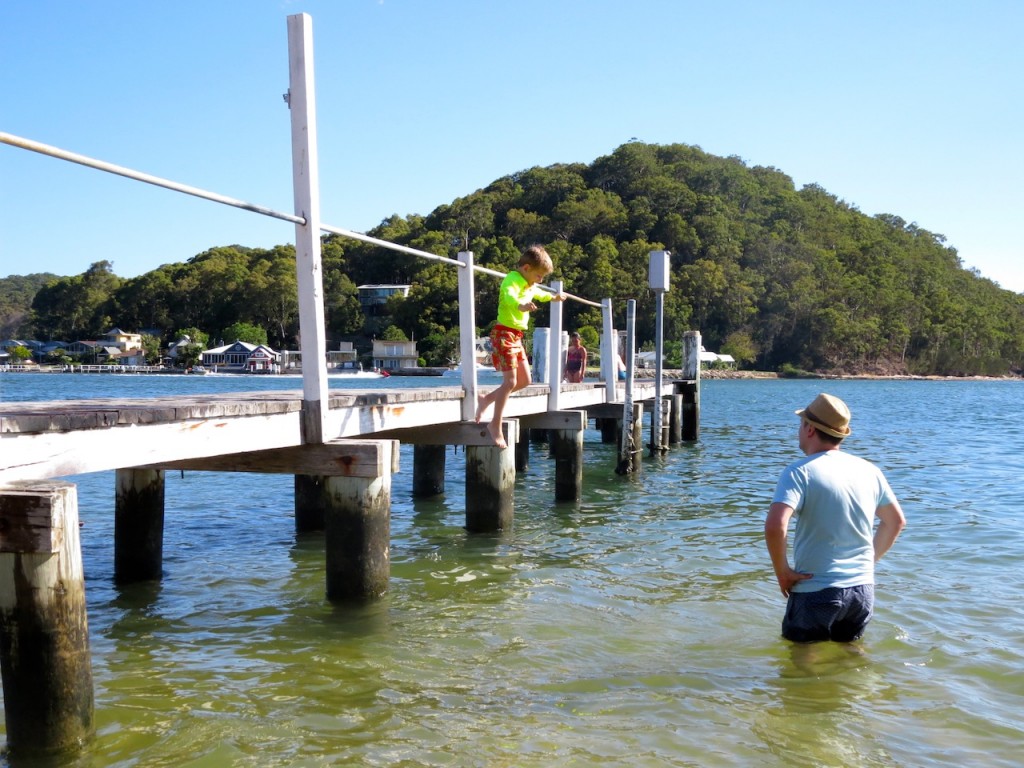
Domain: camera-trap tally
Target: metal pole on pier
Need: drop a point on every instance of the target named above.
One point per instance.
(467, 334)
(629, 448)
(658, 275)
(301, 98)
(556, 359)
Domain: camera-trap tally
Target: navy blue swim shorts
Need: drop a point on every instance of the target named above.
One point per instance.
(834, 613)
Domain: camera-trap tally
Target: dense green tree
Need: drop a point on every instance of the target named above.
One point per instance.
(19, 354)
(152, 349)
(779, 276)
(16, 294)
(247, 332)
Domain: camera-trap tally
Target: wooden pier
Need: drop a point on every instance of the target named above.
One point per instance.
(341, 446)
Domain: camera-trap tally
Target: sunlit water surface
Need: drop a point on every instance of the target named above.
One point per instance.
(637, 627)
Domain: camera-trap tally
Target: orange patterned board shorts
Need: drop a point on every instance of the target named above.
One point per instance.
(507, 348)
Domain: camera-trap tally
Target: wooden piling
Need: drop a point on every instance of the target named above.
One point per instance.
(358, 529)
(675, 432)
(567, 447)
(311, 503)
(428, 470)
(522, 449)
(44, 634)
(691, 410)
(638, 435)
(689, 387)
(490, 484)
(138, 525)
(565, 439)
(631, 445)
(609, 429)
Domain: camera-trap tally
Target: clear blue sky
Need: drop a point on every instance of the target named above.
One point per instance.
(912, 108)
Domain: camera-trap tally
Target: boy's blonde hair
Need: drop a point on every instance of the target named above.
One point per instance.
(536, 256)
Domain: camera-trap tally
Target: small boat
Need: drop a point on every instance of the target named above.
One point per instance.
(417, 371)
(354, 370)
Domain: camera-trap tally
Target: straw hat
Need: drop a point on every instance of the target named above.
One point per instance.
(829, 414)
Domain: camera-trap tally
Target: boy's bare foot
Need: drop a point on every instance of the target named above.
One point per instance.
(494, 428)
(480, 407)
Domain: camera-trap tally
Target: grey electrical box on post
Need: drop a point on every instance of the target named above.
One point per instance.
(659, 270)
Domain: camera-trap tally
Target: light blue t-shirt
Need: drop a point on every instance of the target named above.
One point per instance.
(834, 496)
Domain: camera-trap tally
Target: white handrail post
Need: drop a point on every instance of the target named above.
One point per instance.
(658, 276)
(467, 334)
(608, 350)
(306, 184)
(628, 449)
(555, 360)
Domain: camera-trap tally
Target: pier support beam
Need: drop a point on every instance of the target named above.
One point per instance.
(609, 427)
(138, 525)
(675, 420)
(490, 484)
(691, 409)
(428, 470)
(631, 447)
(565, 435)
(44, 634)
(358, 528)
(522, 455)
(310, 503)
(567, 447)
(689, 387)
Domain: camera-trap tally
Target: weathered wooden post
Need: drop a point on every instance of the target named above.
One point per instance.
(428, 470)
(44, 633)
(138, 525)
(690, 386)
(522, 450)
(675, 418)
(490, 483)
(357, 535)
(638, 437)
(310, 503)
(567, 448)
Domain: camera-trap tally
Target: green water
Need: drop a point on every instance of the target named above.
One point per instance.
(637, 627)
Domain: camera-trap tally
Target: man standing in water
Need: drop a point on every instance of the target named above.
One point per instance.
(835, 496)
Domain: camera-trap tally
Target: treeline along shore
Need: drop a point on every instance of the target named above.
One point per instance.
(783, 279)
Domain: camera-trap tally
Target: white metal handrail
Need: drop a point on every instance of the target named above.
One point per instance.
(73, 157)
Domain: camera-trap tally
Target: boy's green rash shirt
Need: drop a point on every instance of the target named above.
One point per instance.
(513, 292)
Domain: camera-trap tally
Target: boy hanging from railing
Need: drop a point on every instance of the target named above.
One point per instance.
(517, 297)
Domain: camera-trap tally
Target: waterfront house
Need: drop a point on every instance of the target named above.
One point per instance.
(242, 357)
(391, 355)
(127, 342)
(177, 348)
(84, 351)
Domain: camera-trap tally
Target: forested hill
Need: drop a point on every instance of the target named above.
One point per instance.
(16, 294)
(775, 275)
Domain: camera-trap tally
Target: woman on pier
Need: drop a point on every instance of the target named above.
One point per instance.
(575, 360)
